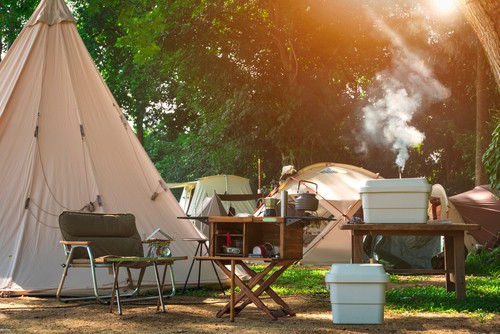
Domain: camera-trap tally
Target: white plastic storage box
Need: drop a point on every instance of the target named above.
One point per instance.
(357, 293)
(395, 200)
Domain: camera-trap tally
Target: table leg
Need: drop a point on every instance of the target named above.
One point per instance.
(459, 258)
(215, 270)
(159, 286)
(449, 263)
(116, 289)
(191, 268)
(266, 286)
(357, 247)
(231, 306)
(200, 246)
(245, 290)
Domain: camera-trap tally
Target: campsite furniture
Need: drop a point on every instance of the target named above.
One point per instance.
(246, 296)
(202, 246)
(454, 258)
(57, 152)
(100, 240)
(247, 232)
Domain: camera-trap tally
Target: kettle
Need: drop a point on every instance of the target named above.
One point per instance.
(306, 201)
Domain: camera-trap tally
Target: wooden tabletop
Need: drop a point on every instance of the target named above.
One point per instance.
(410, 227)
(241, 258)
(248, 219)
(109, 259)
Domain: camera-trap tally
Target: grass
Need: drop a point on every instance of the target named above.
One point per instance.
(483, 295)
(483, 289)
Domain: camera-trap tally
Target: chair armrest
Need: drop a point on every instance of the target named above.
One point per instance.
(75, 243)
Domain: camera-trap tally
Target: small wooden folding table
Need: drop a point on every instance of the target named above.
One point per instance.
(263, 279)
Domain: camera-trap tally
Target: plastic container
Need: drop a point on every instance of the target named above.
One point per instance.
(357, 293)
(395, 200)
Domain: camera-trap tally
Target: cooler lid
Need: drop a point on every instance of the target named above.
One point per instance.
(396, 185)
(357, 273)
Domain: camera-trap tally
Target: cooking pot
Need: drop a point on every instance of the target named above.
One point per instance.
(306, 201)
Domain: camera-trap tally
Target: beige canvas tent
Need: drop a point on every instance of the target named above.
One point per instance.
(197, 196)
(195, 193)
(65, 145)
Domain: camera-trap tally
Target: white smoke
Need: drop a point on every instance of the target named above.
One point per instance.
(398, 93)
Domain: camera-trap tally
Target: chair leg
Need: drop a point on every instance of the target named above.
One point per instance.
(63, 278)
(172, 278)
(67, 265)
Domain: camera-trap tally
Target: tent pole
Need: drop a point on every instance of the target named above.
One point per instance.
(258, 178)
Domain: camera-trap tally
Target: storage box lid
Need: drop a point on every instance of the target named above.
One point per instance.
(396, 185)
(357, 273)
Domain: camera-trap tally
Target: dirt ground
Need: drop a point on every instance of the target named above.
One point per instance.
(186, 314)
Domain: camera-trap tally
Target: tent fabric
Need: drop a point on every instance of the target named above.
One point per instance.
(65, 145)
(221, 184)
(51, 13)
(338, 188)
(480, 206)
(404, 252)
(212, 206)
(195, 195)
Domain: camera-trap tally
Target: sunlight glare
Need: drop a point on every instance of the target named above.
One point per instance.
(445, 6)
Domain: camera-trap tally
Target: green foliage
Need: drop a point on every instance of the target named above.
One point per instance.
(491, 159)
(13, 15)
(212, 86)
(484, 262)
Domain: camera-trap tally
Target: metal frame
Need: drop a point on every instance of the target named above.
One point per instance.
(115, 263)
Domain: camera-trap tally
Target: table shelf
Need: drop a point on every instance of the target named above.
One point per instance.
(248, 232)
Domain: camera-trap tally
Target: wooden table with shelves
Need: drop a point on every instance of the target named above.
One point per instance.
(454, 253)
(247, 232)
(244, 233)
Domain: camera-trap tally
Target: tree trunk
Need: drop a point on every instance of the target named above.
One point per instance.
(284, 45)
(484, 18)
(139, 124)
(482, 116)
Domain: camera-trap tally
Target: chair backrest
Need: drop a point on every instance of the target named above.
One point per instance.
(110, 234)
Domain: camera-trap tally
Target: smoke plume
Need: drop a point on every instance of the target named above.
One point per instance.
(396, 95)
